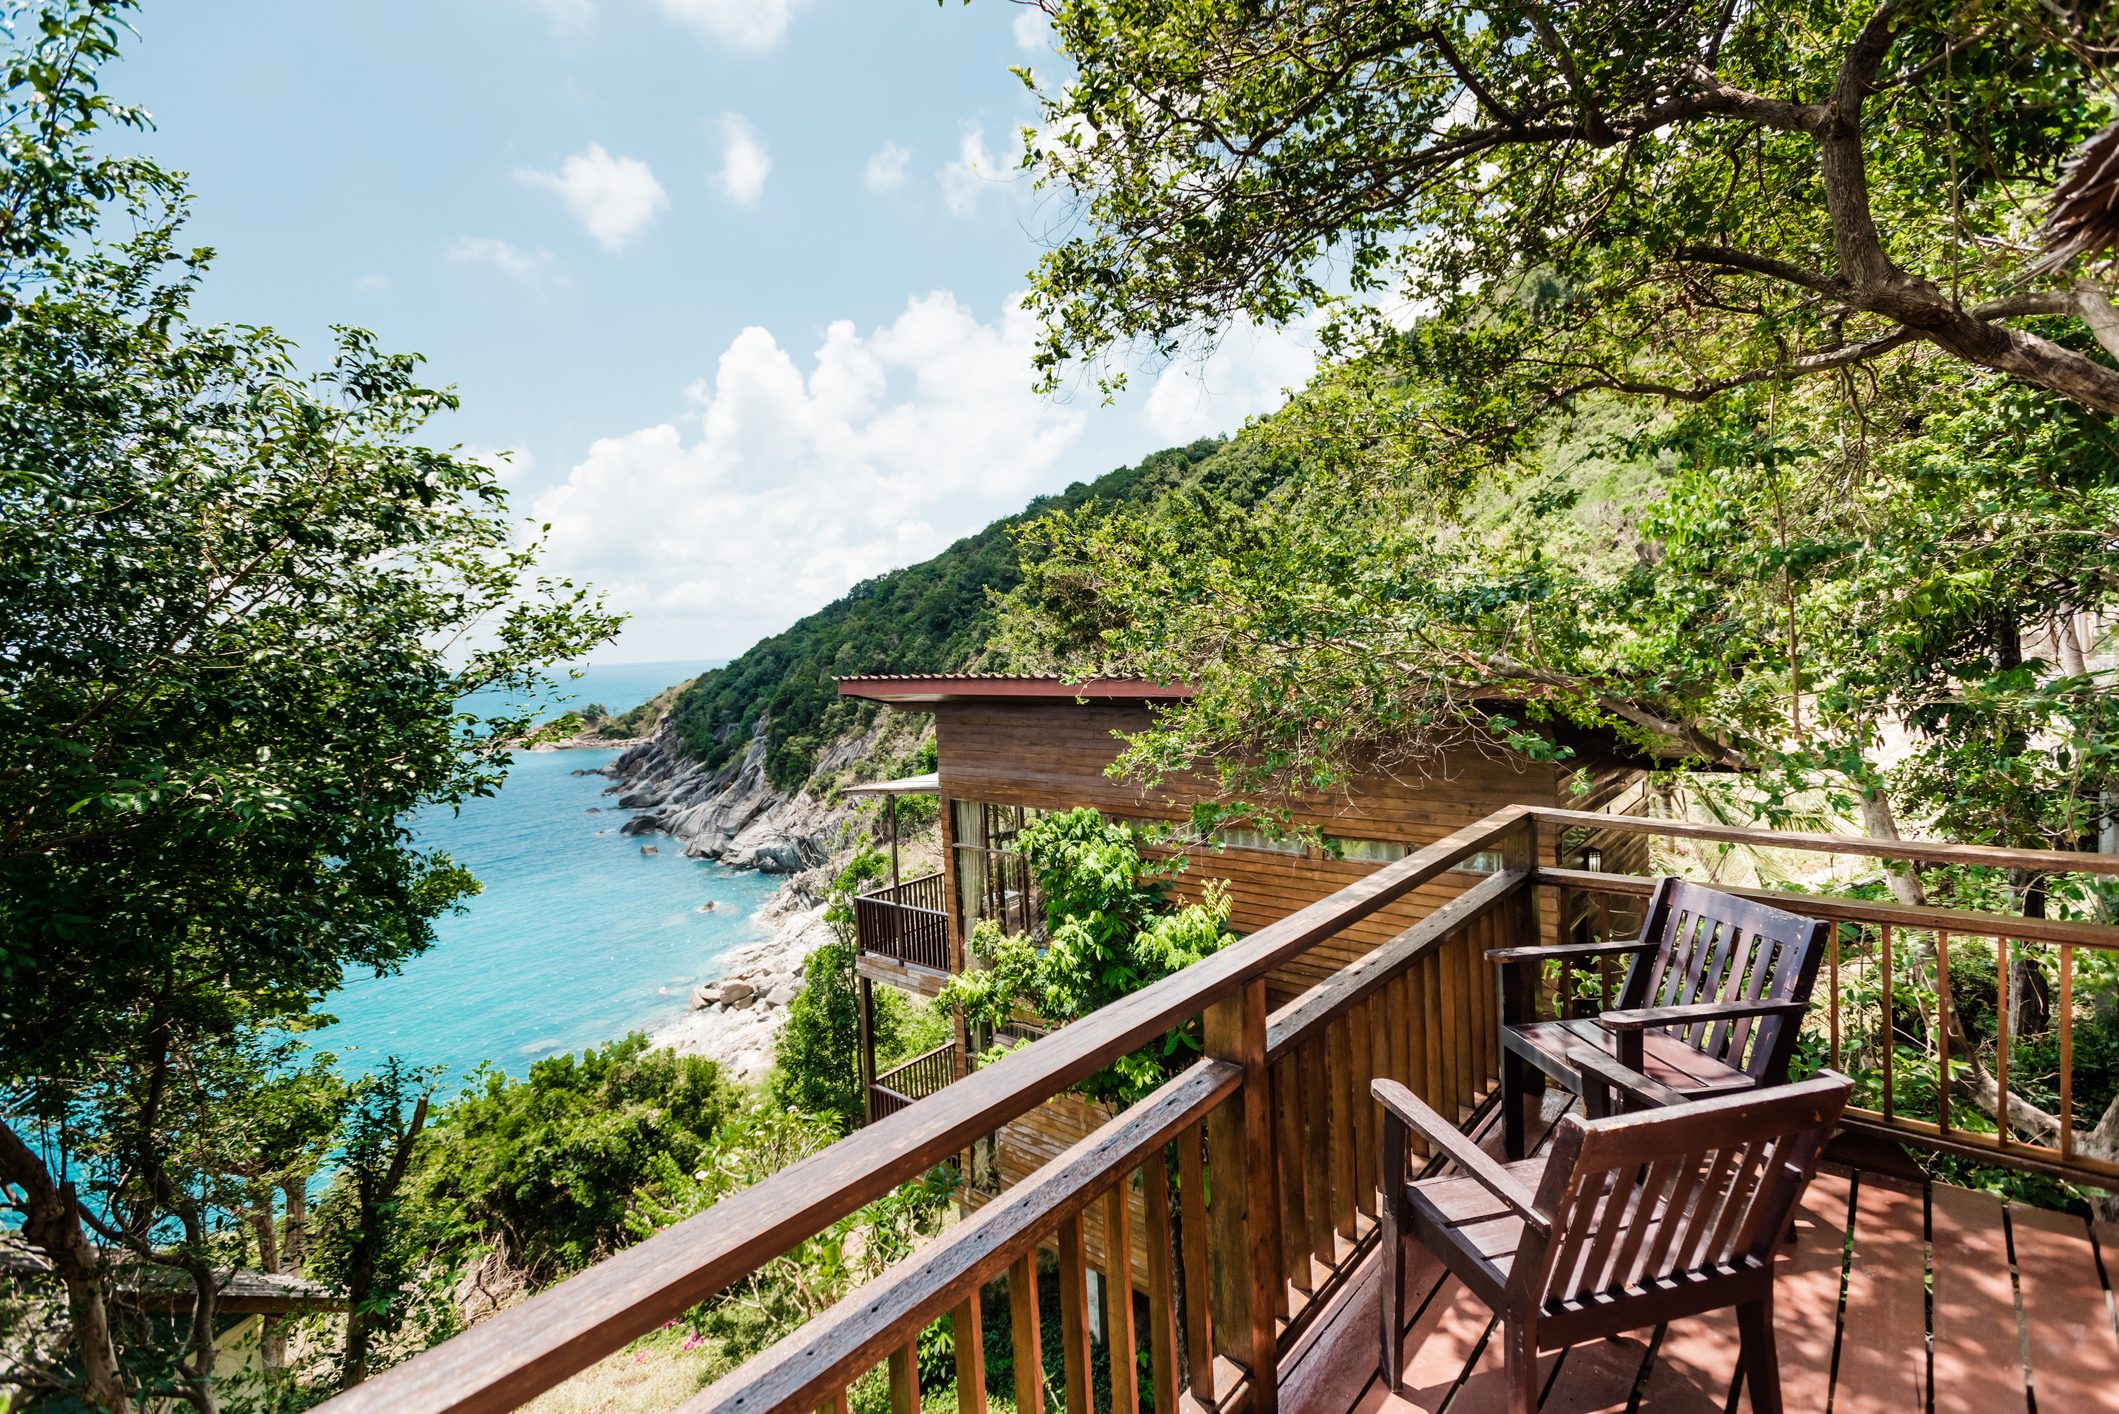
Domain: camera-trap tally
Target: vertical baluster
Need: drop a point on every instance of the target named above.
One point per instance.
(1361, 1032)
(1339, 1127)
(1449, 991)
(2067, 1051)
(1420, 1036)
(1832, 1009)
(1294, 1215)
(1436, 1024)
(1244, 1213)
(1404, 1020)
(1118, 1296)
(1460, 955)
(1074, 1316)
(1486, 1000)
(1942, 1031)
(1199, 1280)
(1887, 996)
(2001, 1039)
(1028, 1341)
(1314, 1151)
(905, 1378)
(969, 1330)
(1162, 1284)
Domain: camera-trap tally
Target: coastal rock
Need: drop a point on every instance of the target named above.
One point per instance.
(649, 849)
(736, 1019)
(782, 994)
(737, 992)
(735, 814)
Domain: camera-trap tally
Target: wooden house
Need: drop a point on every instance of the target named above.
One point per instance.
(1011, 748)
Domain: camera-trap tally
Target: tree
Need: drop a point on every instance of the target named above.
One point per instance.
(363, 1244)
(817, 1057)
(1110, 930)
(1658, 198)
(243, 606)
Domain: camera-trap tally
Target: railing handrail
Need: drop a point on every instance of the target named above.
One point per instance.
(888, 893)
(1976, 856)
(902, 1066)
(519, 1353)
(1839, 908)
(826, 1353)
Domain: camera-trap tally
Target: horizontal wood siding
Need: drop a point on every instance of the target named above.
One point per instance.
(1053, 756)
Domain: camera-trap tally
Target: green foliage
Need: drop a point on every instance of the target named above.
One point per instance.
(801, 1283)
(1109, 931)
(366, 1245)
(930, 617)
(547, 1166)
(1662, 201)
(817, 1058)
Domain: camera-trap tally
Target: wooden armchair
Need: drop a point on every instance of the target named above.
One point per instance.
(1711, 1005)
(1625, 1221)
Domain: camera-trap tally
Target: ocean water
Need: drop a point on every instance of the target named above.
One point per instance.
(577, 937)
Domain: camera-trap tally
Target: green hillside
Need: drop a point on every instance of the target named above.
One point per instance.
(936, 616)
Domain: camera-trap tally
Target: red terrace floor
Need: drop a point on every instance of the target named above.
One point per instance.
(1897, 1295)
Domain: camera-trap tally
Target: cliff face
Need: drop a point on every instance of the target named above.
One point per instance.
(734, 814)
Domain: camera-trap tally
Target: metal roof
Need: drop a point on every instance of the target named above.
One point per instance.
(961, 687)
(929, 784)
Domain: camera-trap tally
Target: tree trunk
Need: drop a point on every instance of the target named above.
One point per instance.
(272, 1330)
(52, 1224)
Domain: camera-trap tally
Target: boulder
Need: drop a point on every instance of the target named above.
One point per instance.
(737, 992)
(649, 849)
(781, 995)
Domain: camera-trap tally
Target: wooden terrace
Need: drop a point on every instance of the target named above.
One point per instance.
(1255, 1175)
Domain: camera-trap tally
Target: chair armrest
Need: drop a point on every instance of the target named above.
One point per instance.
(1567, 950)
(1401, 1104)
(1592, 1062)
(1642, 1017)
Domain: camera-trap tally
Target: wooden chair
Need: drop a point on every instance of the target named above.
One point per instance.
(1711, 1005)
(1625, 1221)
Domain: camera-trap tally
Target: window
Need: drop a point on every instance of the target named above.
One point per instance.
(992, 880)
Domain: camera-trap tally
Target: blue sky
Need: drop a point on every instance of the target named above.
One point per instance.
(733, 279)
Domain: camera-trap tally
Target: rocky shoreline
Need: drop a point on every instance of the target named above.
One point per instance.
(736, 1018)
(733, 814)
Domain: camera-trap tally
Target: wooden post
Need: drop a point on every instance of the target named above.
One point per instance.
(867, 1047)
(1244, 1213)
(890, 809)
(1029, 1340)
(1521, 1082)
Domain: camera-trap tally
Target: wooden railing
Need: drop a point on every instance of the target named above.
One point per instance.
(1931, 1051)
(1257, 1168)
(1228, 1287)
(915, 1080)
(907, 923)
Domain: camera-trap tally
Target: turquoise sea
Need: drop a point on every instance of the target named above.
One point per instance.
(577, 937)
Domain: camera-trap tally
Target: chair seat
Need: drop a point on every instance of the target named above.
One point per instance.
(1664, 1057)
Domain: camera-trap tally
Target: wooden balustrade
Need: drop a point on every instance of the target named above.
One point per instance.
(1229, 1263)
(1887, 1013)
(907, 923)
(915, 1080)
(1259, 1165)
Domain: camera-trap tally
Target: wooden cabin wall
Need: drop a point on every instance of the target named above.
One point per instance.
(1053, 756)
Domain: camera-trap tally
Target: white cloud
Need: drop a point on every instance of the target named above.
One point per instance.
(744, 161)
(567, 16)
(746, 24)
(612, 197)
(791, 480)
(1250, 371)
(973, 172)
(1033, 28)
(535, 268)
(886, 167)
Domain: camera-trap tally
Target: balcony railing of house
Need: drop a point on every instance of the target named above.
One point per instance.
(1277, 1114)
(915, 1080)
(907, 923)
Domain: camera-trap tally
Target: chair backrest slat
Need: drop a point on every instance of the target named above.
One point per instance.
(1715, 947)
(1688, 1190)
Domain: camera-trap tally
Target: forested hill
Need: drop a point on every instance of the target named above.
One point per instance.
(936, 616)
